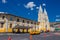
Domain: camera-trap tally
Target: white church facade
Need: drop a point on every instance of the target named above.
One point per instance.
(43, 19)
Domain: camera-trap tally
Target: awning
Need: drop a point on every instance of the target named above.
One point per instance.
(57, 28)
(21, 27)
(1, 21)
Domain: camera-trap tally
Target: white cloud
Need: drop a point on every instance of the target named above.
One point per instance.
(28, 13)
(37, 7)
(3, 12)
(30, 5)
(4, 1)
(57, 15)
(32, 8)
(57, 19)
(18, 4)
(44, 4)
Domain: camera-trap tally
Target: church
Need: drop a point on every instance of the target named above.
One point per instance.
(43, 19)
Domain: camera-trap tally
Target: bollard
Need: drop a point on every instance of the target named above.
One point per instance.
(30, 37)
(44, 34)
(9, 38)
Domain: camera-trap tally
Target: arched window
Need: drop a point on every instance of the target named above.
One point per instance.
(10, 25)
(2, 25)
(35, 23)
(31, 22)
(3, 17)
(11, 18)
(17, 20)
(23, 21)
(28, 22)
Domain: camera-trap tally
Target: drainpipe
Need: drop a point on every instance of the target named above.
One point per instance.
(14, 23)
(6, 25)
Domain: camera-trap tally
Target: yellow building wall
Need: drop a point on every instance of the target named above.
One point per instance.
(9, 29)
(3, 29)
(8, 18)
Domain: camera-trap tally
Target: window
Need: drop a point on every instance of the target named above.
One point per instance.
(10, 25)
(31, 22)
(35, 23)
(11, 18)
(46, 26)
(3, 17)
(23, 21)
(2, 25)
(17, 20)
(45, 19)
(28, 22)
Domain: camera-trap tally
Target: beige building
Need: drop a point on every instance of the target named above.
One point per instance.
(9, 21)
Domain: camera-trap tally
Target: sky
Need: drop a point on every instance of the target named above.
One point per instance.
(29, 8)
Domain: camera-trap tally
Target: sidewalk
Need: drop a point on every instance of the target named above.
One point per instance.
(57, 33)
(9, 34)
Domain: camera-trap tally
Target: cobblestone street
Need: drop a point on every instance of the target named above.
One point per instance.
(26, 36)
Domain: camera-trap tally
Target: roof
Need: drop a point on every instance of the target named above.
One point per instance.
(54, 22)
(21, 27)
(57, 23)
(5, 13)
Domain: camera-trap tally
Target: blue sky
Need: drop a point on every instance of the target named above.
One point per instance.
(23, 9)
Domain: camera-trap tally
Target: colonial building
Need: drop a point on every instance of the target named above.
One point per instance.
(9, 21)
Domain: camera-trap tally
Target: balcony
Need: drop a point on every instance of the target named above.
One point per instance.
(1, 20)
(21, 24)
(25, 24)
(30, 25)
